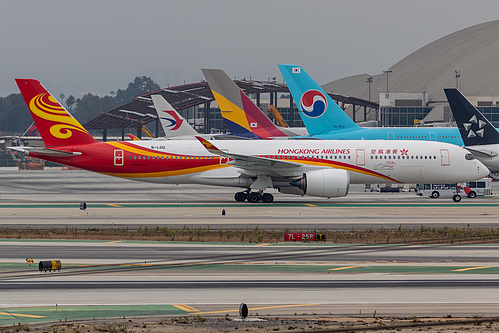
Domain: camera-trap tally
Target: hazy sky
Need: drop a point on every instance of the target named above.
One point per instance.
(75, 47)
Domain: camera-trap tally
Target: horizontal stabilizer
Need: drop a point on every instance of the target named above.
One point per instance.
(46, 151)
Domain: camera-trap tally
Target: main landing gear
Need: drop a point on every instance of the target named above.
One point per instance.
(253, 197)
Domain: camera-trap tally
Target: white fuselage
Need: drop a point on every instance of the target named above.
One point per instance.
(376, 161)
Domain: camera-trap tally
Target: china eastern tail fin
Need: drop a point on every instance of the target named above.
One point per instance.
(475, 129)
(319, 112)
(242, 116)
(173, 123)
(56, 125)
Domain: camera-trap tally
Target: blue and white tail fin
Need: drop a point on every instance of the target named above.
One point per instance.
(319, 112)
(173, 123)
(475, 129)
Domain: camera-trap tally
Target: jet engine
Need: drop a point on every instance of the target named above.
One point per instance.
(328, 183)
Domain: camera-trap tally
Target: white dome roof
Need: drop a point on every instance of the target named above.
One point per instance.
(473, 51)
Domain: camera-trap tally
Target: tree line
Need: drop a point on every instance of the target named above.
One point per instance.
(15, 117)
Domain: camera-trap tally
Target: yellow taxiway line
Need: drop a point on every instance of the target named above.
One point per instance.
(469, 269)
(185, 307)
(21, 315)
(262, 308)
(340, 268)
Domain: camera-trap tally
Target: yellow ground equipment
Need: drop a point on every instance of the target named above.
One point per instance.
(277, 116)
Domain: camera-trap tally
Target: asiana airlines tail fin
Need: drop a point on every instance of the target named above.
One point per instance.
(242, 116)
(319, 112)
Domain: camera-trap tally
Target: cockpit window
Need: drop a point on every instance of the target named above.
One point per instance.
(469, 157)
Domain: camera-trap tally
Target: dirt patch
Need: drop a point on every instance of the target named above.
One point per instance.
(445, 235)
(265, 324)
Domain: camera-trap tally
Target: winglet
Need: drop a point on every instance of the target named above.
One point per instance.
(210, 146)
(133, 137)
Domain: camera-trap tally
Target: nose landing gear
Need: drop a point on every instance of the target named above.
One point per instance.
(253, 197)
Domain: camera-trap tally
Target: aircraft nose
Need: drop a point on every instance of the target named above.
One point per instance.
(483, 171)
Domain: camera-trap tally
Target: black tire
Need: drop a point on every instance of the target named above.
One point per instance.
(456, 198)
(435, 194)
(472, 195)
(240, 196)
(253, 197)
(267, 198)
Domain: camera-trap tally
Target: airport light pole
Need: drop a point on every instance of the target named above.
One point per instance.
(458, 75)
(387, 72)
(369, 80)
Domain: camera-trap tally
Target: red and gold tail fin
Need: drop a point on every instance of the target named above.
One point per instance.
(57, 126)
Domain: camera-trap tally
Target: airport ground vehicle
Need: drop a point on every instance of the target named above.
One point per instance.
(471, 189)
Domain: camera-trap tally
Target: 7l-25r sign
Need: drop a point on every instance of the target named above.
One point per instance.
(303, 237)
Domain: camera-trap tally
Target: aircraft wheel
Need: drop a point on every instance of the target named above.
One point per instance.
(240, 196)
(253, 197)
(435, 194)
(472, 194)
(456, 198)
(267, 198)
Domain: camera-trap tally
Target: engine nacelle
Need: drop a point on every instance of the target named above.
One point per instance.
(329, 183)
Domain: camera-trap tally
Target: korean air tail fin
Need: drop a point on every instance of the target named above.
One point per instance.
(319, 112)
(173, 123)
(475, 129)
(56, 125)
(242, 116)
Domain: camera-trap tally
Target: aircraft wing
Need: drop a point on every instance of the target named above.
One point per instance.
(45, 151)
(479, 152)
(256, 163)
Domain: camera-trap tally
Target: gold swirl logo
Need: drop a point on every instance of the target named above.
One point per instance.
(46, 107)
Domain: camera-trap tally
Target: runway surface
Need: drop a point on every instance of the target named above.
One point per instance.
(51, 199)
(118, 278)
(278, 279)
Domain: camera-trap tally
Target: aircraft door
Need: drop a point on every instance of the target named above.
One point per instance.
(444, 157)
(391, 136)
(360, 156)
(119, 159)
(433, 136)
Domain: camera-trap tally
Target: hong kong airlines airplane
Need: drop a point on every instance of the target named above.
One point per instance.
(323, 168)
